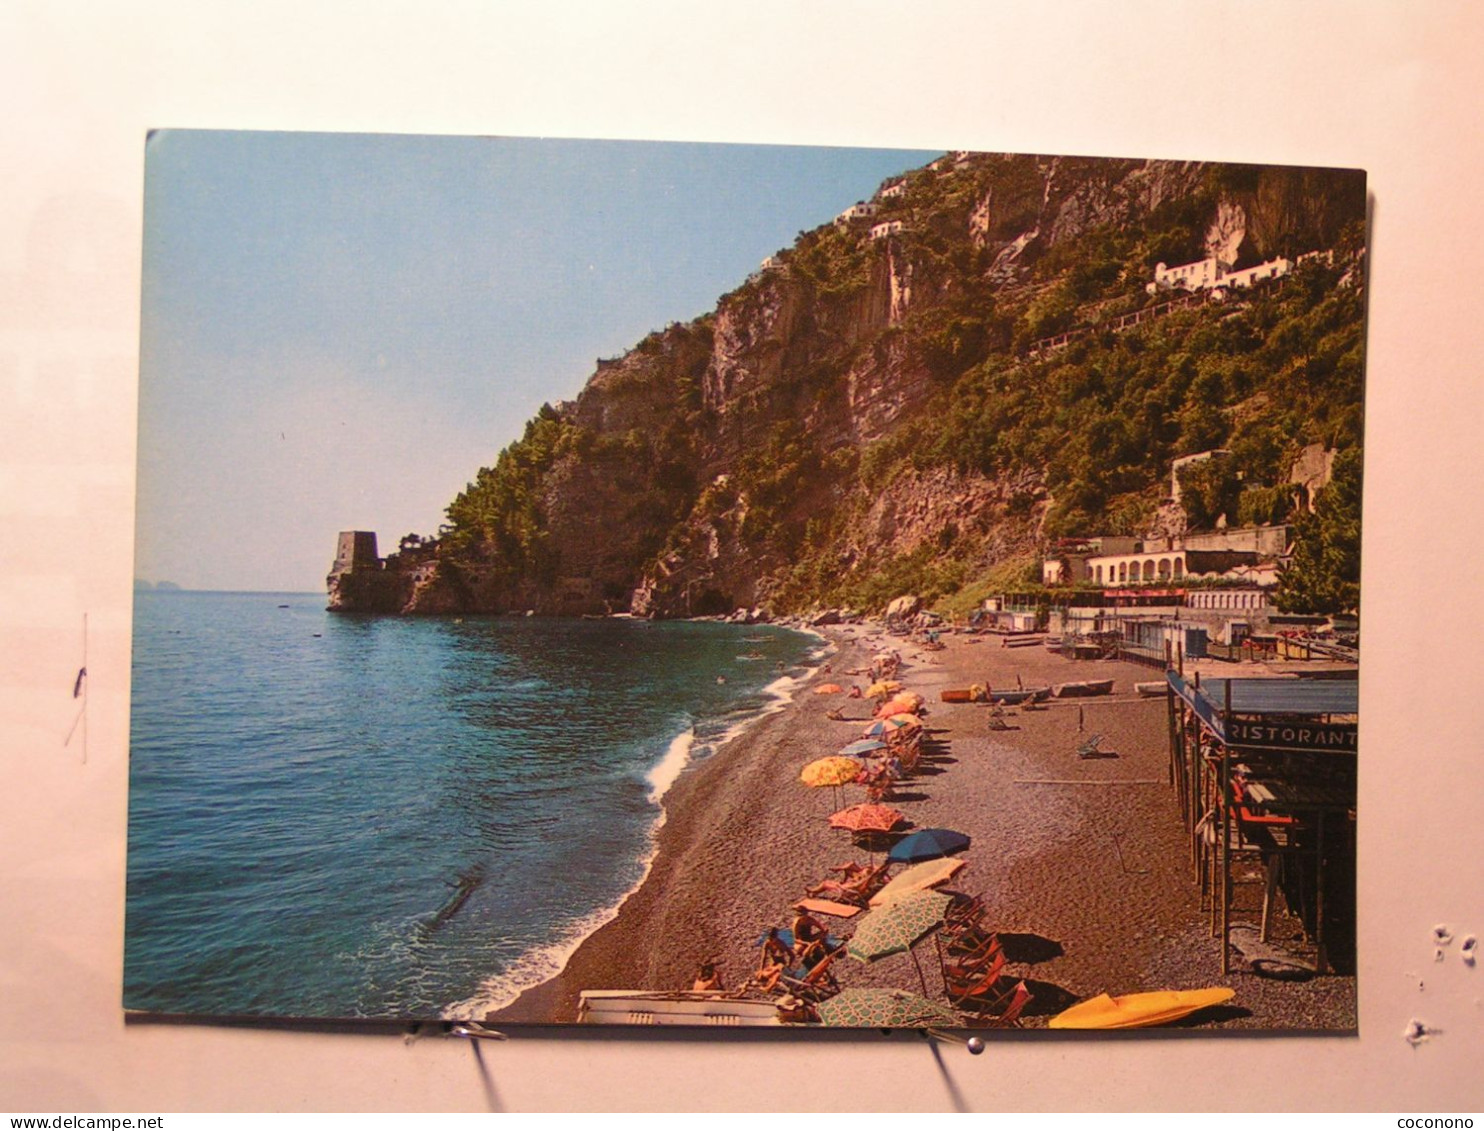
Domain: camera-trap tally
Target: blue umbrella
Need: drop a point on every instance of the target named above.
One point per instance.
(929, 844)
(864, 746)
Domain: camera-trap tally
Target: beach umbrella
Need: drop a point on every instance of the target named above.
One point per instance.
(882, 688)
(830, 771)
(897, 927)
(928, 844)
(928, 874)
(896, 707)
(861, 1008)
(894, 725)
(864, 746)
(828, 689)
(834, 772)
(866, 818)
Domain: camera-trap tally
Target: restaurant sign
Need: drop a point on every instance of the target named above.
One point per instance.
(1291, 736)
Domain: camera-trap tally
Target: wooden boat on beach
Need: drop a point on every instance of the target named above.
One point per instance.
(962, 695)
(1138, 1011)
(675, 1007)
(1082, 689)
(1012, 696)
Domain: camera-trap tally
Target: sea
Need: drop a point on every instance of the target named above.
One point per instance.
(343, 816)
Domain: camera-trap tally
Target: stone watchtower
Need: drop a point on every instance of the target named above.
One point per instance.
(356, 549)
(359, 581)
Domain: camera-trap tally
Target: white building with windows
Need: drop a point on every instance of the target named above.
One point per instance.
(1212, 274)
(862, 211)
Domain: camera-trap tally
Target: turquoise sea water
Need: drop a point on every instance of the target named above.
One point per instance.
(346, 816)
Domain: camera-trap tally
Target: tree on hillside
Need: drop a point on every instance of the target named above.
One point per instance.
(1324, 575)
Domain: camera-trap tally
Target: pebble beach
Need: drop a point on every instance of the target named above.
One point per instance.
(1084, 864)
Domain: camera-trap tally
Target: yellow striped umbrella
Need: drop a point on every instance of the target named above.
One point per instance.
(919, 877)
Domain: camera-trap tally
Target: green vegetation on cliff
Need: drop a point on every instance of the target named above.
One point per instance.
(806, 444)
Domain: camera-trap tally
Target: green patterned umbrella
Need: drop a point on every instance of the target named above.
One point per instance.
(884, 1009)
(897, 926)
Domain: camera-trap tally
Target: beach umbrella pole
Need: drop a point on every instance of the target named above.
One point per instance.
(912, 950)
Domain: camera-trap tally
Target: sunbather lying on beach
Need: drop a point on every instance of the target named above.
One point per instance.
(856, 889)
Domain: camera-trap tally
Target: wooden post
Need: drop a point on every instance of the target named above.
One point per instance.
(1226, 808)
(1170, 726)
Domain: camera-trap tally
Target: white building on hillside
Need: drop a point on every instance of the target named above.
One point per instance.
(1212, 274)
(862, 211)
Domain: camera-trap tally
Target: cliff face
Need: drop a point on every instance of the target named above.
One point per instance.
(869, 407)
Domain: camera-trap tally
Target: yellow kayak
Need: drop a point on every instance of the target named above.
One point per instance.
(1134, 1011)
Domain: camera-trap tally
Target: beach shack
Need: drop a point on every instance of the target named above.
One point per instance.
(1265, 769)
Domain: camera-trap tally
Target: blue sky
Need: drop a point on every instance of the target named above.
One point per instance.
(339, 330)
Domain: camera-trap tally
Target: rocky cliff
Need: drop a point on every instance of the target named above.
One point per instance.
(878, 407)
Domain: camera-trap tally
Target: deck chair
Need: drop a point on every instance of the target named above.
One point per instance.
(1009, 1016)
(990, 961)
(968, 938)
(967, 910)
(997, 722)
(858, 889)
(976, 993)
(816, 983)
(1090, 747)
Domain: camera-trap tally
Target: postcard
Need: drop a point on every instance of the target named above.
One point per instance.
(641, 583)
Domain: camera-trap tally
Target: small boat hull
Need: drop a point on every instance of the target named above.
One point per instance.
(1083, 689)
(674, 1007)
(1020, 695)
(1138, 1011)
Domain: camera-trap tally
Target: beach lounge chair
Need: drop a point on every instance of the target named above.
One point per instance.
(1090, 747)
(991, 959)
(974, 981)
(965, 916)
(997, 722)
(976, 993)
(967, 939)
(857, 889)
(816, 982)
(1009, 1017)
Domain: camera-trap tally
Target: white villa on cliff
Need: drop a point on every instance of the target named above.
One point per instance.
(862, 211)
(1213, 274)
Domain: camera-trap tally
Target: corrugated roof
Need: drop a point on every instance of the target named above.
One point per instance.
(1285, 696)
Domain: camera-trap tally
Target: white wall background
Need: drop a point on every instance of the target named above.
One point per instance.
(1391, 88)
